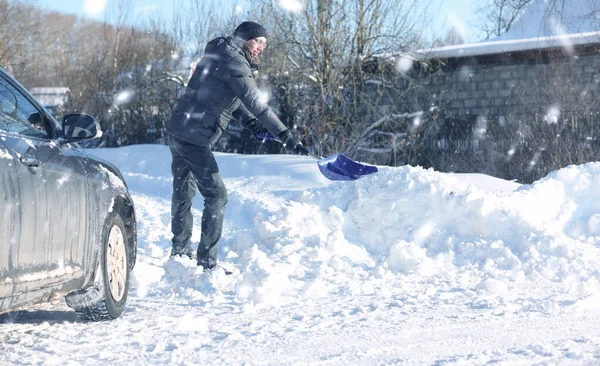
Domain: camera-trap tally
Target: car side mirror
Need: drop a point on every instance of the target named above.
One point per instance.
(80, 127)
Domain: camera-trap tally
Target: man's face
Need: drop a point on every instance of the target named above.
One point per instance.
(257, 45)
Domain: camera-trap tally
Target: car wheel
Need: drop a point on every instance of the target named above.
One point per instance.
(112, 278)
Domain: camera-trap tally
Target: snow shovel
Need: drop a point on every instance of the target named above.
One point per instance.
(341, 167)
(334, 167)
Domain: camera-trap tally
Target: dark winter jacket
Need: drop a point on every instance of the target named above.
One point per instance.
(221, 84)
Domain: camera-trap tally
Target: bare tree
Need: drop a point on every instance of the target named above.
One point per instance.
(123, 10)
(316, 58)
(19, 21)
(496, 17)
(195, 23)
(453, 37)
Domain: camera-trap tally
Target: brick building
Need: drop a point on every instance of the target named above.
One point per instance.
(490, 97)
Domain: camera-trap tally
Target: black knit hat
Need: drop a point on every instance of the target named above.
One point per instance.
(250, 30)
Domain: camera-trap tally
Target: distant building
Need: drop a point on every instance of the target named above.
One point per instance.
(55, 99)
(495, 99)
(548, 61)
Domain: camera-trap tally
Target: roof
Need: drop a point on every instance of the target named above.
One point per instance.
(50, 90)
(51, 95)
(567, 42)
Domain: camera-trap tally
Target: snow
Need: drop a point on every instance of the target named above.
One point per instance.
(408, 265)
(512, 45)
(5, 155)
(114, 180)
(123, 97)
(61, 271)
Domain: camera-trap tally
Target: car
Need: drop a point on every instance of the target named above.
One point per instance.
(67, 219)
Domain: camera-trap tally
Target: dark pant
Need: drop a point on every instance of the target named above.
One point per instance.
(195, 166)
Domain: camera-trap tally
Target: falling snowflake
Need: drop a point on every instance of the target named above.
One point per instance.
(263, 97)
(291, 5)
(123, 97)
(94, 7)
(404, 64)
(552, 115)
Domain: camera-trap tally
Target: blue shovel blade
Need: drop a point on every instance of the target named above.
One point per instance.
(341, 167)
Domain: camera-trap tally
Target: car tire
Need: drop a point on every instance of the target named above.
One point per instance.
(112, 280)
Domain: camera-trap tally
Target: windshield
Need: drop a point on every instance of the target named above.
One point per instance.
(18, 115)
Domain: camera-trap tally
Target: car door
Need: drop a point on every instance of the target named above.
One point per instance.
(9, 216)
(52, 180)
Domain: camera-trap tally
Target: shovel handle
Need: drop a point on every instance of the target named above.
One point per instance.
(314, 156)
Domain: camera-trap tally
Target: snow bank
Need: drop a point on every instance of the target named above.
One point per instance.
(290, 234)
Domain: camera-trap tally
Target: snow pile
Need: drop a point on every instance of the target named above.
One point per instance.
(290, 235)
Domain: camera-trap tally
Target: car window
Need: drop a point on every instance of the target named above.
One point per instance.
(17, 114)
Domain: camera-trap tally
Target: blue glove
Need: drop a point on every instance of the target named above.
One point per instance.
(257, 130)
(265, 136)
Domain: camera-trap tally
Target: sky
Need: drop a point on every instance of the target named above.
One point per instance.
(96, 8)
(404, 266)
(458, 13)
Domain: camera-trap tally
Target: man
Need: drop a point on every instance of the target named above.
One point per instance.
(222, 83)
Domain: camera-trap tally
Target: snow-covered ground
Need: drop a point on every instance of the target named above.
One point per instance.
(406, 266)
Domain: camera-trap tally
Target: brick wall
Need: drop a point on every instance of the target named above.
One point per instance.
(514, 116)
(512, 87)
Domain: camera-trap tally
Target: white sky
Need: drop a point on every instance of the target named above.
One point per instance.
(403, 266)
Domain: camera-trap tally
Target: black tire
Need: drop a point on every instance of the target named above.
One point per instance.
(115, 283)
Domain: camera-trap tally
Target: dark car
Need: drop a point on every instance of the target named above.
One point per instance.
(67, 220)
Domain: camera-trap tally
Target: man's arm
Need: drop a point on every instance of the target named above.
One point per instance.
(239, 78)
(248, 121)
